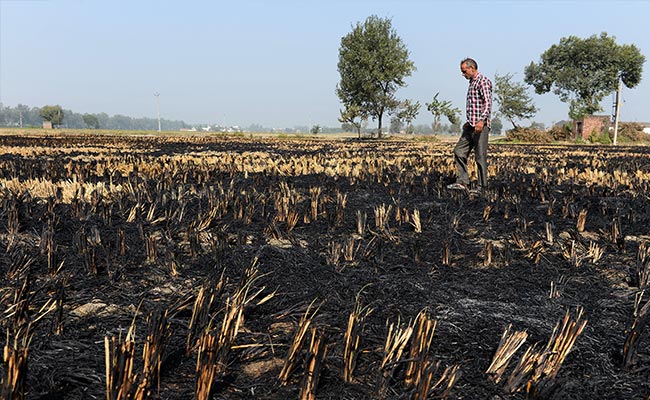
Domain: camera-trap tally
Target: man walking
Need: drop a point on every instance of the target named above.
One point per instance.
(476, 129)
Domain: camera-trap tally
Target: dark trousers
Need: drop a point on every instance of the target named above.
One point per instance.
(470, 140)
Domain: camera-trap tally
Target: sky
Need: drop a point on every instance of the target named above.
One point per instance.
(274, 63)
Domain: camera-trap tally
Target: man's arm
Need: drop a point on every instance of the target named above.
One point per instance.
(486, 93)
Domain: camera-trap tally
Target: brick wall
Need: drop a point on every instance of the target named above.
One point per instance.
(591, 123)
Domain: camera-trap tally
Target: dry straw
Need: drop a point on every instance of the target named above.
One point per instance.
(292, 360)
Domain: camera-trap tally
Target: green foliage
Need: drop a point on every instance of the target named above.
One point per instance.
(583, 71)
(54, 114)
(407, 112)
(315, 129)
(353, 116)
(373, 63)
(91, 121)
(513, 99)
(442, 107)
(599, 137)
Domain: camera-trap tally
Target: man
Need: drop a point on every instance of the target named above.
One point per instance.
(476, 129)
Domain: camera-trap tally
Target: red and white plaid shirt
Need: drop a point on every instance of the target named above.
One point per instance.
(479, 100)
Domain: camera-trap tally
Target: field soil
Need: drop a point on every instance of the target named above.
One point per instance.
(228, 268)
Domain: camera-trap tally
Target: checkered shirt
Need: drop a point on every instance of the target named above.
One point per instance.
(479, 100)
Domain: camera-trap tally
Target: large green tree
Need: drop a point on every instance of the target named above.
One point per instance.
(513, 99)
(583, 71)
(442, 107)
(373, 63)
(54, 114)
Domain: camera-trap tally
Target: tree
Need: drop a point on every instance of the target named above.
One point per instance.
(396, 125)
(54, 114)
(373, 62)
(583, 71)
(496, 126)
(91, 121)
(513, 99)
(439, 108)
(407, 112)
(353, 115)
(315, 129)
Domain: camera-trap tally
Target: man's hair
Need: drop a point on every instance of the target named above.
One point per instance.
(470, 63)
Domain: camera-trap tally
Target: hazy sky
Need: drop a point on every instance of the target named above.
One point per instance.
(274, 63)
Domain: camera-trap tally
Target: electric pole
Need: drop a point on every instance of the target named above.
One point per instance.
(618, 108)
(158, 108)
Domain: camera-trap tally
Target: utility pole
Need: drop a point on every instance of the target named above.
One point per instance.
(618, 108)
(158, 108)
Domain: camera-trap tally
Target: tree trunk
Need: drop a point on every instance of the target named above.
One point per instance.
(512, 121)
(380, 117)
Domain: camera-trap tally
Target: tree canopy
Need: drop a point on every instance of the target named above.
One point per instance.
(91, 121)
(54, 114)
(373, 63)
(583, 71)
(513, 99)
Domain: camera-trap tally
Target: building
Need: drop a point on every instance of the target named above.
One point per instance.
(589, 124)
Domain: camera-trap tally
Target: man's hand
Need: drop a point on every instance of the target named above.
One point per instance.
(478, 128)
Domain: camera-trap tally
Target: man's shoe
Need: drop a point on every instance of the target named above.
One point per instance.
(456, 186)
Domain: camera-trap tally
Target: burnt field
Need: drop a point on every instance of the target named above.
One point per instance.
(235, 268)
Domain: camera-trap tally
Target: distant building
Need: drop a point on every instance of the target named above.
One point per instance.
(47, 124)
(591, 123)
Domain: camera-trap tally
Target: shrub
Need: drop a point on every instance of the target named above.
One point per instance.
(599, 137)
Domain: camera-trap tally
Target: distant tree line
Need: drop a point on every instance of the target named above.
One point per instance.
(25, 116)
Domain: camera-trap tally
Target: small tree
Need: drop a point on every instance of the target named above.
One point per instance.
(353, 115)
(407, 112)
(373, 62)
(53, 114)
(513, 99)
(91, 121)
(396, 125)
(439, 108)
(315, 129)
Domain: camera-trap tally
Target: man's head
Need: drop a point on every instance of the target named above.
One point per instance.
(469, 68)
